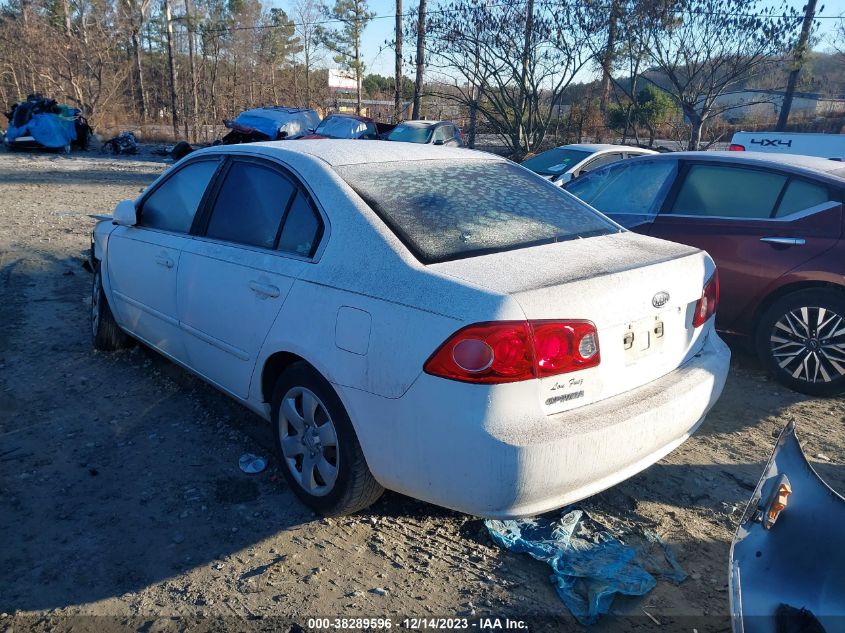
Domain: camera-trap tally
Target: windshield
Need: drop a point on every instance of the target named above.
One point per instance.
(555, 161)
(341, 127)
(447, 209)
(411, 133)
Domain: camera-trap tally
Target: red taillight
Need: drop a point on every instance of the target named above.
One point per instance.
(706, 306)
(509, 351)
(733, 147)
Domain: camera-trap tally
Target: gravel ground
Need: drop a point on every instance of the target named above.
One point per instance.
(120, 493)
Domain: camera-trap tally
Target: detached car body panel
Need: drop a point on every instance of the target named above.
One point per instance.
(787, 570)
(369, 271)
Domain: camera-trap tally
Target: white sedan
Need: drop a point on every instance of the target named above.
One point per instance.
(567, 162)
(435, 321)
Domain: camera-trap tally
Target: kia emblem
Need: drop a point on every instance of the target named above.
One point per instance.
(660, 299)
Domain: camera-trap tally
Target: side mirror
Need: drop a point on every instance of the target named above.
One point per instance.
(124, 213)
(564, 178)
(439, 141)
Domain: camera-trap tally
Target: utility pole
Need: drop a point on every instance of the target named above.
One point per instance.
(418, 83)
(168, 19)
(397, 98)
(800, 57)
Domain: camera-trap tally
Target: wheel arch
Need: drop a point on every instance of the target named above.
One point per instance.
(273, 367)
(788, 289)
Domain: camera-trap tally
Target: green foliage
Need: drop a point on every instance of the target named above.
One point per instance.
(281, 40)
(345, 41)
(375, 85)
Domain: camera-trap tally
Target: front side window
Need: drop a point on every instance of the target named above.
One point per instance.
(625, 188)
(173, 205)
(725, 191)
(250, 205)
(448, 209)
(801, 195)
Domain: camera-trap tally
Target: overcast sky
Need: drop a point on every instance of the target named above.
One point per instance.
(378, 55)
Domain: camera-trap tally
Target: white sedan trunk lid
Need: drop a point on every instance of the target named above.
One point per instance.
(639, 292)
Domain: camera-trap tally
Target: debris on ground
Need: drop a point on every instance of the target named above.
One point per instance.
(252, 464)
(590, 565)
(123, 143)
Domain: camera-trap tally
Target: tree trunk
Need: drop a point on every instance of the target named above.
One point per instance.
(695, 123)
(397, 97)
(519, 140)
(189, 17)
(307, 75)
(473, 119)
(357, 76)
(800, 56)
(139, 71)
(171, 68)
(420, 61)
(609, 53)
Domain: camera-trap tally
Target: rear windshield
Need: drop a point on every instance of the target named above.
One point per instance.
(555, 161)
(445, 209)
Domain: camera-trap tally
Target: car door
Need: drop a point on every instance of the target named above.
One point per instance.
(756, 223)
(260, 228)
(143, 260)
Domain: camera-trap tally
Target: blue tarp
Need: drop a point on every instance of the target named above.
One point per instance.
(270, 121)
(50, 130)
(589, 564)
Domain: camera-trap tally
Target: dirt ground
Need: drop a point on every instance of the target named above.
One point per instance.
(121, 496)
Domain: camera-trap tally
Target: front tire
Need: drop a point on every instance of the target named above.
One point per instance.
(105, 332)
(320, 455)
(801, 341)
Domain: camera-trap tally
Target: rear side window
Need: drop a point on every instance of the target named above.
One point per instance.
(173, 205)
(801, 195)
(723, 191)
(250, 205)
(302, 228)
(446, 209)
(601, 161)
(625, 188)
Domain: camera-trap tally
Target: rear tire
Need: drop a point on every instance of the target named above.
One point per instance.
(105, 332)
(800, 339)
(319, 452)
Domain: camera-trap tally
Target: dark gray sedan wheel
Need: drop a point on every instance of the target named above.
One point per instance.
(801, 340)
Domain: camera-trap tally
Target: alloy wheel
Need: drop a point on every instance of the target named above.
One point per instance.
(809, 344)
(309, 441)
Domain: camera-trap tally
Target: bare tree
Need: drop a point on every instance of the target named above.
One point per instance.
(802, 48)
(419, 60)
(306, 14)
(701, 49)
(473, 47)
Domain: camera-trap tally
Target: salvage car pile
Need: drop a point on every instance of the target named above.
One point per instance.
(40, 122)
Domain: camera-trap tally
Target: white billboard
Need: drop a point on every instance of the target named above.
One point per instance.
(342, 80)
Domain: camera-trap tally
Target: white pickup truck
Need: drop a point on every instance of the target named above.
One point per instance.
(830, 146)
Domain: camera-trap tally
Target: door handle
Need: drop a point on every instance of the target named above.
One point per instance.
(784, 241)
(161, 260)
(264, 290)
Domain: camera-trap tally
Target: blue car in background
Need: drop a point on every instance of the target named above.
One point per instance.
(270, 123)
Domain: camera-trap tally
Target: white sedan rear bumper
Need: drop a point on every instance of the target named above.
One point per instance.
(489, 451)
